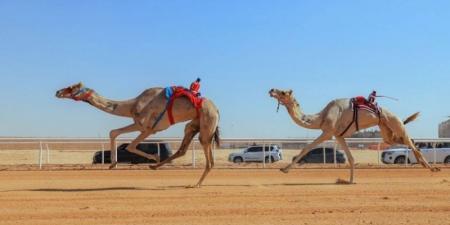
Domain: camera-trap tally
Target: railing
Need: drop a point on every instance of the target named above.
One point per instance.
(53, 152)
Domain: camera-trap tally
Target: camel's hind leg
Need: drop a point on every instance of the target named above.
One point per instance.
(141, 137)
(191, 129)
(395, 132)
(209, 121)
(350, 159)
(207, 148)
(323, 137)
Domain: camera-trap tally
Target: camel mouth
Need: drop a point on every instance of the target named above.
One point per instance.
(272, 93)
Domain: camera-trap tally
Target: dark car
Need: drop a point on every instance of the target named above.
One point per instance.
(316, 156)
(124, 156)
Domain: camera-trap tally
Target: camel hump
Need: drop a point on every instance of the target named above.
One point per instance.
(411, 118)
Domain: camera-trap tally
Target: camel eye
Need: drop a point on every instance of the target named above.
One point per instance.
(283, 93)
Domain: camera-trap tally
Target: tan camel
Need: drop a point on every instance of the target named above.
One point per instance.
(145, 110)
(334, 120)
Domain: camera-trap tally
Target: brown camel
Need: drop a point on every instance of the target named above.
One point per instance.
(145, 111)
(334, 120)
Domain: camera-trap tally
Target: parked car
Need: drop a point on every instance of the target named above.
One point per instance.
(399, 155)
(124, 156)
(256, 154)
(316, 156)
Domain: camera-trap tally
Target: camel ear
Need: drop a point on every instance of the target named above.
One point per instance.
(290, 92)
(80, 85)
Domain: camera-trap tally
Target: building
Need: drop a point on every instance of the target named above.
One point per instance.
(444, 129)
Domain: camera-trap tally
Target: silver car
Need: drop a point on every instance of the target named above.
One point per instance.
(256, 154)
(399, 155)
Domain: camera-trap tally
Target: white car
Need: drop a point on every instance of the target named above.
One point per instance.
(399, 155)
(256, 154)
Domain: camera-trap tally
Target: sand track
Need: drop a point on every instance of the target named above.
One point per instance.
(230, 196)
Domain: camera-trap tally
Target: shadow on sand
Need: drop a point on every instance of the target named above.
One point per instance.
(164, 188)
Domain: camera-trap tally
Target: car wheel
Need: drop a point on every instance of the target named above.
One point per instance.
(400, 160)
(270, 160)
(447, 160)
(238, 160)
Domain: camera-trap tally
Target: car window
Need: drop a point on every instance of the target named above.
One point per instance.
(329, 151)
(255, 149)
(317, 151)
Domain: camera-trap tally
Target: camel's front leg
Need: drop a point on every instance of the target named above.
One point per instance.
(190, 131)
(113, 135)
(323, 137)
(350, 159)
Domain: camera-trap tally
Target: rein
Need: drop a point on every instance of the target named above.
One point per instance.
(278, 107)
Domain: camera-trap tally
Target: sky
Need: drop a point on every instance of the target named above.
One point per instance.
(322, 50)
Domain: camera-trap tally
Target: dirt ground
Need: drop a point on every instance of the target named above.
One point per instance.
(229, 196)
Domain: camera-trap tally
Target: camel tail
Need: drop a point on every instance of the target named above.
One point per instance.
(217, 136)
(411, 118)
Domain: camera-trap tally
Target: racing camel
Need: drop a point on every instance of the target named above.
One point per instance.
(153, 111)
(341, 118)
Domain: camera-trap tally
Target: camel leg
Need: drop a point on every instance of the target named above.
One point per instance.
(207, 148)
(323, 137)
(190, 131)
(113, 135)
(351, 161)
(399, 135)
(419, 157)
(208, 126)
(132, 146)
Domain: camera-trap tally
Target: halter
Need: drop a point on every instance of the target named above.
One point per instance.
(83, 94)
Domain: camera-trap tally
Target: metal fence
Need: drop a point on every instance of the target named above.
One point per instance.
(51, 153)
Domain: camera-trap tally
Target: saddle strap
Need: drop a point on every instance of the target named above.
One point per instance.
(354, 119)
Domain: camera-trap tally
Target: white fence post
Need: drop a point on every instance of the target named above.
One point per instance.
(159, 150)
(40, 155)
(264, 154)
(324, 155)
(103, 153)
(434, 153)
(378, 153)
(334, 155)
(48, 154)
(115, 153)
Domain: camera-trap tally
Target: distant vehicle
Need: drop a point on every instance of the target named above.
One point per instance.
(256, 154)
(124, 156)
(316, 156)
(399, 155)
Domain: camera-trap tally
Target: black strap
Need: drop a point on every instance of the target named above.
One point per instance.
(355, 118)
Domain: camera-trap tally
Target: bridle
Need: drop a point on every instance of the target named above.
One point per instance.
(83, 94)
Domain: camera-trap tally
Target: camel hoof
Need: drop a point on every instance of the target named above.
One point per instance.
(112, 166)
(435, 169)
(153, 167)
(193, 186)
(284, 170)
(341, 181)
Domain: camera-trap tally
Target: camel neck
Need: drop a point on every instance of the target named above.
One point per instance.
(306, 121)
(118, 108)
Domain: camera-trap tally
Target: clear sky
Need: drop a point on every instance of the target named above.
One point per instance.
(320, 49)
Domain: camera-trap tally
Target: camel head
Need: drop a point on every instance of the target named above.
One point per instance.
(283, 97)
(76, 92)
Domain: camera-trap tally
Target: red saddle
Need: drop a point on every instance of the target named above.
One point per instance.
(179, 91)
(361, 102)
